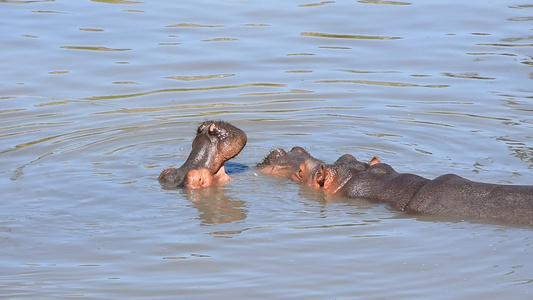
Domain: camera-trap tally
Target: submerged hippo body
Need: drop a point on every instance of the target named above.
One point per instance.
(446, 195)
(215, 143)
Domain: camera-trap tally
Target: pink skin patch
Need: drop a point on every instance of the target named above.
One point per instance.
(197, 179)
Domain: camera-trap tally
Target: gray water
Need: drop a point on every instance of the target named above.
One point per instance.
(97, 97)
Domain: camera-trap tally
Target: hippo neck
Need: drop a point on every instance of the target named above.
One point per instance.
(382, 184)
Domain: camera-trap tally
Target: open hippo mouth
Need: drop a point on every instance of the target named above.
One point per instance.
(215, 143)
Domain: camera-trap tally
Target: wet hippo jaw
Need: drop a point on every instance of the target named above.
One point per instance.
(192, 179)
(201, 178)
(215, 143)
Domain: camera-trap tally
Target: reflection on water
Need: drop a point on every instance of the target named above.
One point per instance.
(215, 207)
(96, 97)
(519, 149)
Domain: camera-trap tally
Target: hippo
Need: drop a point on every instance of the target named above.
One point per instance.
(215, 143)
(280, 163)
(447, 195)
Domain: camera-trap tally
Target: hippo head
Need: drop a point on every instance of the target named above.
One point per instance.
(316, 174)
(215, 143)
(284, 164)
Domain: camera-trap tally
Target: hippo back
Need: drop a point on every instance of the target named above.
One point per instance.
(453, 195)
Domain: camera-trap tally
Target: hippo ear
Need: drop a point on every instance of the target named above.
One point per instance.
(320, 175)
(375, 160)
(214, 130)
(300, 174)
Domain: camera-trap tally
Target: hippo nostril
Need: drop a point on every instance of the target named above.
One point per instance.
(163, 174)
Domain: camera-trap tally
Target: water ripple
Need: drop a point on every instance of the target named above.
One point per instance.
(350, 36)
(226, 39)
(200, 77)
(316, 4)
(468, 76)
(329, 226)
(118, 1)
(194, 25)
(504, 45)
(222, 87)
(386, 83)
(94, 48)
(384, 2)
(25, 2)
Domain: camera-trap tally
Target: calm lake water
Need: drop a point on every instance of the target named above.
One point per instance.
(97, 97)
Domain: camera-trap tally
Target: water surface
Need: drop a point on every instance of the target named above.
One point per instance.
(97, 97)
